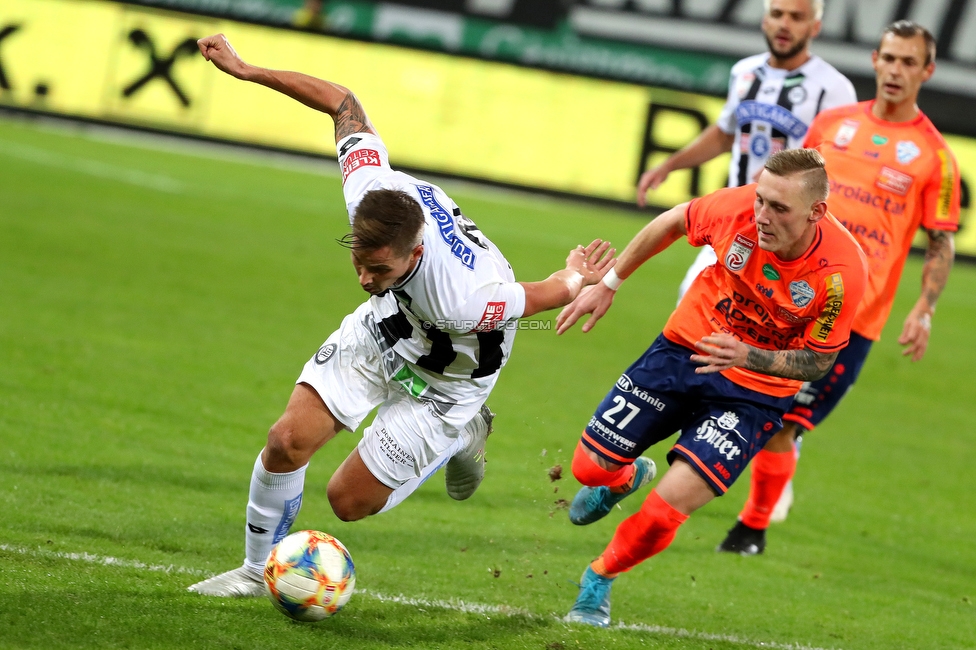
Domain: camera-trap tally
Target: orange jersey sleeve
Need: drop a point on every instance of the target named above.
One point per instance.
(767, 302)
(887, 179)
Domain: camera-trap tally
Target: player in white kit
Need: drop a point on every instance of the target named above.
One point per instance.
(772, 99)
(425, 350)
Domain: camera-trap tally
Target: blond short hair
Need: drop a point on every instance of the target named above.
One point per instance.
(807, 162)
(816, 5)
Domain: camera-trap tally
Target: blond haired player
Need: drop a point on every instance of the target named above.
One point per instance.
(725, 369)
(890, 173)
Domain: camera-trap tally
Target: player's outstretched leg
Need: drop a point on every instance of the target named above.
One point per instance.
(466, 469)
(274, 500)
(592, 605)
(594, 503)
(241, 582)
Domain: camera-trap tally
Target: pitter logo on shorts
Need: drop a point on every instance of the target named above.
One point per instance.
(708, 432)
(325, 353)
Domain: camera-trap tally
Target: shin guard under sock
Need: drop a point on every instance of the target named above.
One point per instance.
(272, 505)
(590, 474)
(642, 535)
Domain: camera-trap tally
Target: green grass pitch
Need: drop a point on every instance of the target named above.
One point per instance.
(156, 306)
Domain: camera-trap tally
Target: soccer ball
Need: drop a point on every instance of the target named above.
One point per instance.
(309, 576)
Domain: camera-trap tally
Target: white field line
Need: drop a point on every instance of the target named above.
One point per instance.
(452, 605)
(37, 155)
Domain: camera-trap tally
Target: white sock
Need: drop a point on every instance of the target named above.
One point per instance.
(272, 505)
(408, 488)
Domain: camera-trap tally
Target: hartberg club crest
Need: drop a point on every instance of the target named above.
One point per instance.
(801, 293)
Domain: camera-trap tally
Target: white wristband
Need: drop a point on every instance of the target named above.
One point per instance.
(612, 281)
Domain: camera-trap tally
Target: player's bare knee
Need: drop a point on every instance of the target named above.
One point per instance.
(283, 451)
(345, 506)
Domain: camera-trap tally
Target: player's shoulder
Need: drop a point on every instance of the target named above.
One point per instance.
(845, 112)
(839, 245)
(819, 68)
(931, 134)
(729, 204)
(750, 63)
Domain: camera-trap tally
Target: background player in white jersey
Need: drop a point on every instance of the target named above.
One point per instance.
(425, 348)
(773, 97)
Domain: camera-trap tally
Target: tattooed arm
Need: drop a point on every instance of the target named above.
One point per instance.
(723, 351)
(325, 96)
(935, 273)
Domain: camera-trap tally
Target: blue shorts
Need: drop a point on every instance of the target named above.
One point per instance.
(722, 424)
(817, 399)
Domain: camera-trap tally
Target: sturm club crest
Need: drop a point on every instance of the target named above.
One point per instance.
(325, 353)
(739, 252)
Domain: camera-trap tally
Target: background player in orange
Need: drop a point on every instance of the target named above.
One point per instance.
(772, 100)
(890, 172)
(730, 358)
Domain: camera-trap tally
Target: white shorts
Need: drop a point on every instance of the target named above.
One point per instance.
(420, 414)
(706, 257)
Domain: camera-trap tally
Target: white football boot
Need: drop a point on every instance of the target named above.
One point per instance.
(466, 469)
(239, 583)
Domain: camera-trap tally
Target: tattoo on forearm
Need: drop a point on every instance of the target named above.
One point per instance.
(938, 262)
(805, 365)
(350, 118)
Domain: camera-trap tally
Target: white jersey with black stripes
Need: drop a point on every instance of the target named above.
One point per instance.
(769, 109)
(455, 314)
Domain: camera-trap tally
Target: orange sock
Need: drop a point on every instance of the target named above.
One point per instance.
(642, 535)
(590, 474)
(770, 474)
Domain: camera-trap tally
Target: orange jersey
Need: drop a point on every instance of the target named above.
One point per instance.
(761, 299)
(886, 180)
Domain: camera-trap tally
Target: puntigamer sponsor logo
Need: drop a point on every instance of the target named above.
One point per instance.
(445, 225)
(626, 385)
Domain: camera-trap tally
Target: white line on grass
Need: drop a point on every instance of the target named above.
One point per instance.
(102, 559)
(37, 155)
(452, 605)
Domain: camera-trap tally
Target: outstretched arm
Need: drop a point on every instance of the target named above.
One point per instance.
(651, 240)
(335, 100)
(723, 351)
(935, 273)
(584, 266)
(712, 142)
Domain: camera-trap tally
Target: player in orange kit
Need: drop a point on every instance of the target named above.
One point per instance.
(773, 312)
(890, 173)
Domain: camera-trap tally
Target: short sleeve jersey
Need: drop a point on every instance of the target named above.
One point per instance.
(767, 302)
(886, 180)
(769, 109)
(454, 314)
